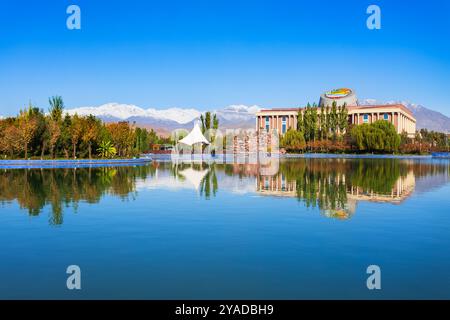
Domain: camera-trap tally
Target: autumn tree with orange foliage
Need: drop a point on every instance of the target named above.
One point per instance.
(27, 126)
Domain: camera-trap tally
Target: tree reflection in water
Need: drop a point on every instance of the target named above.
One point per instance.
(33, 189)
(335, 185)
(332, 185)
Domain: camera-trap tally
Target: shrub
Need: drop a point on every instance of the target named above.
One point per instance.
(379, 136)
(293, 140)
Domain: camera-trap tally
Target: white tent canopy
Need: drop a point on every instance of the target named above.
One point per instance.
(195, 136)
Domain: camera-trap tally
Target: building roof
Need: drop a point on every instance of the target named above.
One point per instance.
(281, 109)
(386, 106)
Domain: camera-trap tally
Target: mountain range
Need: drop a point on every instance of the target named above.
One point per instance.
(233, 116)
(426, 118)
(165, 120)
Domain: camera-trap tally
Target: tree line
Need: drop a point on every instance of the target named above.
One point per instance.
(327, 129)
(318, 129)
(426, 141)
(63, 189)
(56, 134)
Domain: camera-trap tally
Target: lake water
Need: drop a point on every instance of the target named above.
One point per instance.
(297, 229)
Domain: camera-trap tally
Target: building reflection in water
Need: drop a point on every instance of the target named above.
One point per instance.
(334, 186)
(337, 185)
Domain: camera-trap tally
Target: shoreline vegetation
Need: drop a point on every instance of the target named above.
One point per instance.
(34, 134)
(326, 130)
(72, 163)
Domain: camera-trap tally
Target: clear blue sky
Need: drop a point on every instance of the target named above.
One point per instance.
(209, 54)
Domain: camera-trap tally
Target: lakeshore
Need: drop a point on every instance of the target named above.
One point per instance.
(241, 157)
(150, 157)
(74, 163)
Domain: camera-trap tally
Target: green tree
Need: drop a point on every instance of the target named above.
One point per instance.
(380, 136)
(65, 141)
(390, 136)
(323, 123)
(310, 122)
(343, 118)
(106, 149)
(327, 121)
(293, 140)
(300, 124)
(314, 123)
(334, 121)
(215, 122)
(56, 108)
(209, 121)
(307, 122)
(142, 140)
(202, 121)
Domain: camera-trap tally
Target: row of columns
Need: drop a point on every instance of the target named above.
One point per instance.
(358, 118)
(405, 124)
(399, 120)
(275, 183)
(276, 122)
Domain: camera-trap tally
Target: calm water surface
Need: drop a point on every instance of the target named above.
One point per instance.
(305, 228)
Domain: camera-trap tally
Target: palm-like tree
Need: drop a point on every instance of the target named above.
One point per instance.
(56, 107)
(106, 150)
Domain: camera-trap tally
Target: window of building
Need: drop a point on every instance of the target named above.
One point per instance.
(366, 118)
(386, 116)
(283, 125)
(267, 123)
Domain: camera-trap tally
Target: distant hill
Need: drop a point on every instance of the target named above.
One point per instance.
(165, 120)
(426, 118)
(429, 119)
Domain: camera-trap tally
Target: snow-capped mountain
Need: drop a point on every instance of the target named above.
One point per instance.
(229, 117)
(426, 118)
(233, 116)
(238, 112)
(126, 111)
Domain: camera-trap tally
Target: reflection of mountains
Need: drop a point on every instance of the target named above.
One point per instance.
(429, 183)
(335, 186)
